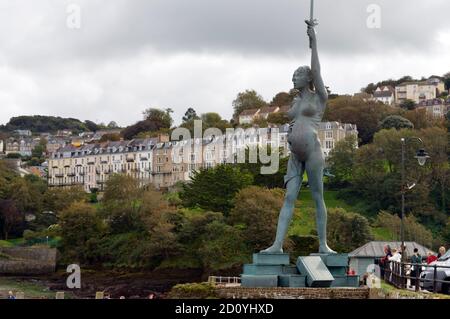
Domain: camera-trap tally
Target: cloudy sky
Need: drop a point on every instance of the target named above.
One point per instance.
(129, 55)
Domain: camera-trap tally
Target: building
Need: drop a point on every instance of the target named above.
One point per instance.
(371, 253)
(384, 94)
(419, 91)
(91, 165)
(2, 151)
(330, 133)
(266, 111)
(23, 133)
(163, 163)
(22, 146)
(55, 143)
(248, 116)
(435, 108)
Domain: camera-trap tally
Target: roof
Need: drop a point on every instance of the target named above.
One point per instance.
(285, 108)
(383, 93)
(269, 109)
(375, 249)
(249, 112)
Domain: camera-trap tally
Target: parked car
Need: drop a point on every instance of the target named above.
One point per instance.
(441, 274)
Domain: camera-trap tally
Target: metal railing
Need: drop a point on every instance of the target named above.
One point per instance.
(224, 281)
(398, 274)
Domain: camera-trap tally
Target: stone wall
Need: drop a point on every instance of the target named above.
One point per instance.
(292, 293)
(28, 261)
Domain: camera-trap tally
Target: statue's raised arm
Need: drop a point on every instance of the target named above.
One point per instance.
(315, 65)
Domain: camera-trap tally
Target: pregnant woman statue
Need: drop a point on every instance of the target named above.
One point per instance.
(306, 152)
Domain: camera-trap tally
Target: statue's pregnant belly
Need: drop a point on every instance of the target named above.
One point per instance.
(303, 139)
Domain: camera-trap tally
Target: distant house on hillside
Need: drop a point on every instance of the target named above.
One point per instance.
(385, 94)
(371, 253)
(247, 116)
(266, 111)
(23, 133)
(419, 91)
(435, 108)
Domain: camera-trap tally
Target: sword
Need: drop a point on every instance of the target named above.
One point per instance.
(312, 22)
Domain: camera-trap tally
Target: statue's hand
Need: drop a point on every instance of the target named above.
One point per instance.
(311, 33)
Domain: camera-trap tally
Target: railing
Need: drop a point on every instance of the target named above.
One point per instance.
(224, 281)
(427, 278)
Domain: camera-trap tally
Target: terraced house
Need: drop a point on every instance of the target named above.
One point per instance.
(163, 163)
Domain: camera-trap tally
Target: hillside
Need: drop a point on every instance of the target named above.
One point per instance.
(48, 124)
(304, 222)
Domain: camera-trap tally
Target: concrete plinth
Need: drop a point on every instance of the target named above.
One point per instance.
(292, 281)
(271, 259)
(263, 281)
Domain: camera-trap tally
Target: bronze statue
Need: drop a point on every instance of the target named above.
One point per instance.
(306, 114)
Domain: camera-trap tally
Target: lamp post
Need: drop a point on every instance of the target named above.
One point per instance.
(421, 157)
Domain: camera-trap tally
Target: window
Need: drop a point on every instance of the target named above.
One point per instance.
(329, 134)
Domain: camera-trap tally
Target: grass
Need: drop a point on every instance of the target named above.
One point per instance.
(5, 244)
(304, 221)
(32, 290)
(384, 234)
(389, 290)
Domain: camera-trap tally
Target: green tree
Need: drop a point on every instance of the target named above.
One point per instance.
(222, 247)
(10, 218)
(278, 118)
(162, 118)
(341, 161)
(282, 99)
(256, 209)
(214, 189)
(365, 114)
(408, 105)
(447, 81)
(110, 137)
(249, 99)
(58, 199)
(396, 122)
(81, 230)
(347, 231)
(112, 125)
(190, 115)
(121, 203)
(414, 231)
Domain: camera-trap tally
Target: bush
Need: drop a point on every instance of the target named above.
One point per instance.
(413, 230)
(303, 245)
(257, 210)
(347, 231)
(214, 189)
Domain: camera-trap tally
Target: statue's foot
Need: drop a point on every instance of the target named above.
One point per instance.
(274, 249)
(324, 249)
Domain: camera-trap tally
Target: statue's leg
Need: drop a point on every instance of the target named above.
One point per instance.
(314, 170)
(293, 182)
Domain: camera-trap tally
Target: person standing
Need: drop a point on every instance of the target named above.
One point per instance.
(431, 258)
(416, 261)
(441, 252)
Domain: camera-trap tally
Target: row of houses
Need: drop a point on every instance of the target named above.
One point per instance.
(162, 163)
(417, 91)
(22, 142)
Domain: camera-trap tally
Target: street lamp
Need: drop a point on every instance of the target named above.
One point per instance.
(422, 158)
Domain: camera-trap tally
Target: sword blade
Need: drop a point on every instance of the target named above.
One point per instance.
(312, 11)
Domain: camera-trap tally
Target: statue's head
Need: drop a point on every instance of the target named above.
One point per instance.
(302, 78)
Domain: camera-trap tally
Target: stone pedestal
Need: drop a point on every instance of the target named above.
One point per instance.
(317, 270)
